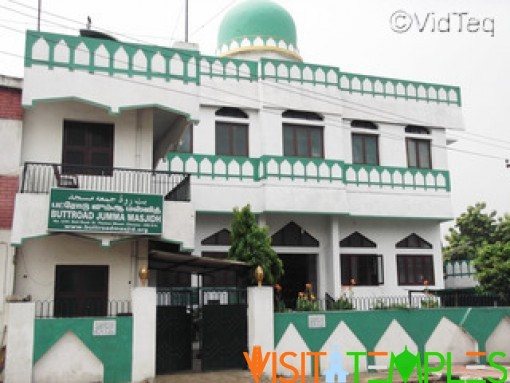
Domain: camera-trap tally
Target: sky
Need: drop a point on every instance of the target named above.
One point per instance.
(456, 42)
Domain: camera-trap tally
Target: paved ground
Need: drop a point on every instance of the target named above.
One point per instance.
(245, 376)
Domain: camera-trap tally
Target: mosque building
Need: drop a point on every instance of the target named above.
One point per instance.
(137, 154)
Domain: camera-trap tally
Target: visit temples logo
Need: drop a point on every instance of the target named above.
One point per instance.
(293, 366)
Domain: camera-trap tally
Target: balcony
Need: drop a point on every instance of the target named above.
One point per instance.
(104, 203)
(40, 178)
(308, 170)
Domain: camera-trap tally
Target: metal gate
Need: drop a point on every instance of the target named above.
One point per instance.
(173, 339)
(224, 336)
(209, 324)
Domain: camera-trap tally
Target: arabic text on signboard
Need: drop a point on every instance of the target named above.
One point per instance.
(105, 212)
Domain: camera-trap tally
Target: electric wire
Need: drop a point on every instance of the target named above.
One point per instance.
(307, 92)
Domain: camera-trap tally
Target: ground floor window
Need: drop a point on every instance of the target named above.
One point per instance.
(81, 291)
(362, 269)
(415, 269)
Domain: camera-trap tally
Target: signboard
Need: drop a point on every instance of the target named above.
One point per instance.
(104, 328)
(317, 321)
(105, 212)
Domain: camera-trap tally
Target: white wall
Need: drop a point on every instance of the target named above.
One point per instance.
(20, 338)
(6, 276)
(58, 366)
(43, 129)
(329, 231)
(10, 131)
(36, 261)
(31, 220)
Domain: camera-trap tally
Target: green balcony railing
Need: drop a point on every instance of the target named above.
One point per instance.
(308, 170)
(459, 268)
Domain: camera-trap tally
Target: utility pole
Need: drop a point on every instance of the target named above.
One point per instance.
(186, 22)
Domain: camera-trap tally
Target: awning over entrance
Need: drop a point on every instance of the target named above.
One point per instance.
(186, 263)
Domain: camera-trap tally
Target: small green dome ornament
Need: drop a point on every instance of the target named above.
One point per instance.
(258, 25)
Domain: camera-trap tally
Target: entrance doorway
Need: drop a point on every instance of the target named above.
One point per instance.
(299, 269)
(200, 328)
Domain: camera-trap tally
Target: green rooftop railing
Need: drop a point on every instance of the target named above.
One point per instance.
(302, 73)
(113, 57)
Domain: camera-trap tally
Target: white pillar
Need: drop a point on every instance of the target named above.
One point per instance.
(261, 320)
(20, 343)
(144, 333)
(333, 259)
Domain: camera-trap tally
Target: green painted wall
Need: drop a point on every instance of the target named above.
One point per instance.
(369, 326)
(115, 352)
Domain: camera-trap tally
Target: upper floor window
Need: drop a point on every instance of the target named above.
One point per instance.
(231, 132)
(365, 147)
(303, 136)
(418, 149)
(418, 153)
(88, 145)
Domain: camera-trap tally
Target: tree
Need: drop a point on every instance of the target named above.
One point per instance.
(492, 265)
(485, 239)
(252, 244)
(473, 229)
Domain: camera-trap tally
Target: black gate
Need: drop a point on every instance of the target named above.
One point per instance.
(173, 340)
(201, 328)
(224, 336)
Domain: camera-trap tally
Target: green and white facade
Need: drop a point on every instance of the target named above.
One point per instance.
(152, 95)
(256, 124)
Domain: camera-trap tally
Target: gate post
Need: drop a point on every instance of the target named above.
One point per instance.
(20, 343)
(144, 301)
(261, 320)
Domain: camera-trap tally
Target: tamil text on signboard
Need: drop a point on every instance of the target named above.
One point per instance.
(105, 212)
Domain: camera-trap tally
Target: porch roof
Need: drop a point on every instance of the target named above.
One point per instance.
(191, 264)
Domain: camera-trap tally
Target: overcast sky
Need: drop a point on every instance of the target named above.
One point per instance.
(355, 35)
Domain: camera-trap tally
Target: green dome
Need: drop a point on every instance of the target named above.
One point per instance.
(261, 23)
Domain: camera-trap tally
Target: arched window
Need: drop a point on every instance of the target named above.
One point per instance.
(231, 132)
(302, 115)
(293, 235)
(415, 129)
(357, 240)
(363, 124)
(415, 269)
(221, 238)
(418, 149)
(413, 241)
(231, 112)
(303, 134)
